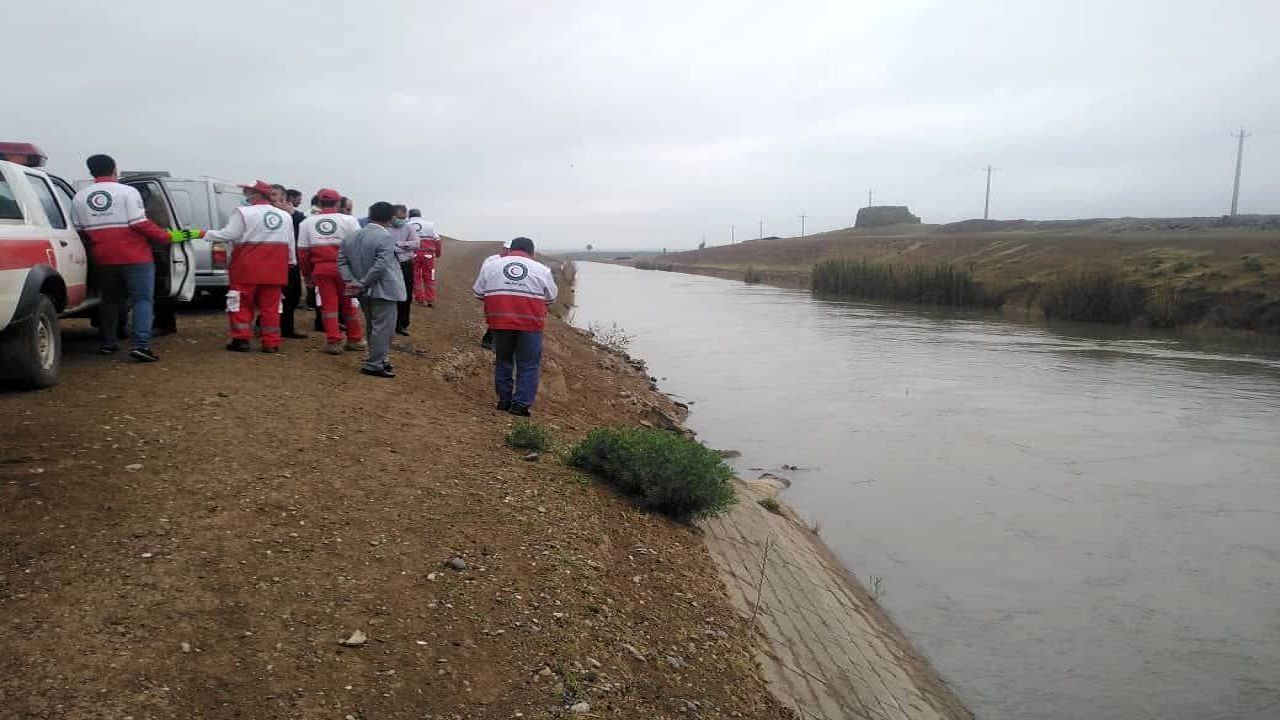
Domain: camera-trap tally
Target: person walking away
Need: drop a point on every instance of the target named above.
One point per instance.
(406, 238)
(516, 291)
(319, 239)
(261, 240)
(424, 261)
(281, 198)
(112, 217)
(367, 261)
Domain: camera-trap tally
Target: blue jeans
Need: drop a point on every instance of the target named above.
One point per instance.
(135, 283)
(519, 353)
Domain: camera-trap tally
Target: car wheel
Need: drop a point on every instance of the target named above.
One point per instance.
(32, 348)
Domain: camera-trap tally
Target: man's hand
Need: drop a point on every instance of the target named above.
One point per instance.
(353, 288)
(181, 236)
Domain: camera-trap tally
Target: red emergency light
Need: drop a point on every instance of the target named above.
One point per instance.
(23, 154)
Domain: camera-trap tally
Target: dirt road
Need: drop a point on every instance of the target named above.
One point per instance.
(193, 539)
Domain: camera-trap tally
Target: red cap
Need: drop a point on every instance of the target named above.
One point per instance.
(328, 194)
(262, 187)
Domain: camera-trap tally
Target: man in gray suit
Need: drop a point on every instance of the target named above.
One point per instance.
(367, 261)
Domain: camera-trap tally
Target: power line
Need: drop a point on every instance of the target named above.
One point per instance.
(1235, 190)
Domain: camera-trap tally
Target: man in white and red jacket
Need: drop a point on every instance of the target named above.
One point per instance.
(112, 217)
(261, 240)
(516, 291)
(319, 238)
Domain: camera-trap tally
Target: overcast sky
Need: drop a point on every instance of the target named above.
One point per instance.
(648, 124)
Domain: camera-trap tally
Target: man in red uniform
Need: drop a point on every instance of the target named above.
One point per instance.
(424, 261)
(319, 238)
(261, 239)
(111, 215)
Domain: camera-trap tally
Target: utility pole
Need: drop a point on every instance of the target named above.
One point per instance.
(704, 241)
(1235, 191)
(986, 206)
(733, 234)
(802, 217)
(869, 195)
(762, 229)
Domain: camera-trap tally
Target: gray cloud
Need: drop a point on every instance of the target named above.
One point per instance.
(650, 124)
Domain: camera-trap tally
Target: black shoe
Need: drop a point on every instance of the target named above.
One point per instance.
(520, 410)
(271, 350)
(108, 349)
(295, 335)
(504, 406)
(144, 355)
(381, 372)
(402, 331)
(238, 346)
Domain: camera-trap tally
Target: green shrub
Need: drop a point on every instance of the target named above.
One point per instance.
(1092, 295)
(771, 505)
(1251, 263)
(665, 472)
(752, 276)
(941, 284)
(529, 435)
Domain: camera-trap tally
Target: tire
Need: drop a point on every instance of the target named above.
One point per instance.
(31, 350)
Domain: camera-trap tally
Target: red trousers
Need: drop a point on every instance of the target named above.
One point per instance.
(424, 277)
(242, 302)
(331, 299)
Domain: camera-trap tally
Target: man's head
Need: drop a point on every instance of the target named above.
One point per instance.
(345, 205)
(415, 212)
(400, 214)
(382, 213)
(522, 244)
(259, 191)
(327, 198)
(101, 166)
(294, 197)
(280, 197)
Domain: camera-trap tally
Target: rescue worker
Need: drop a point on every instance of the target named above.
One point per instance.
(280, 197)
(406, 239)
(261, 240)
(516, 291)
(424, 262)
(319, 239)
(112, 217)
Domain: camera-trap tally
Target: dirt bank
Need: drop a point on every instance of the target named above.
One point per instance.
(1228, 276)
(194, 538)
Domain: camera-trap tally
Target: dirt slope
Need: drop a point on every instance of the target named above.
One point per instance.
(194, 538)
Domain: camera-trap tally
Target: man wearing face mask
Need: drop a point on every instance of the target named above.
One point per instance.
(407, 244)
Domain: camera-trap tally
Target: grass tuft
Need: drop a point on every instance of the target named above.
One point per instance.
(529, 435)
(771, 505)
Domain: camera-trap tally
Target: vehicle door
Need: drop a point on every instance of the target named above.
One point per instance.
(55, 196)
(180, 282)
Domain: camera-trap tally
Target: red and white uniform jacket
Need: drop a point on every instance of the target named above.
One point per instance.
(112, 217)
(320, 236)
(261, 240)
(429, 244)
(516, 290)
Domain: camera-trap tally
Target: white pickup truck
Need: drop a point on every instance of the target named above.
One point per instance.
(45, 271)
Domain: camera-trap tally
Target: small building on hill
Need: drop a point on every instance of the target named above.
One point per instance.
(882, 215)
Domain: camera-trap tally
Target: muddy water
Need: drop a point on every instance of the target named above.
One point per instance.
(1068, 524)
